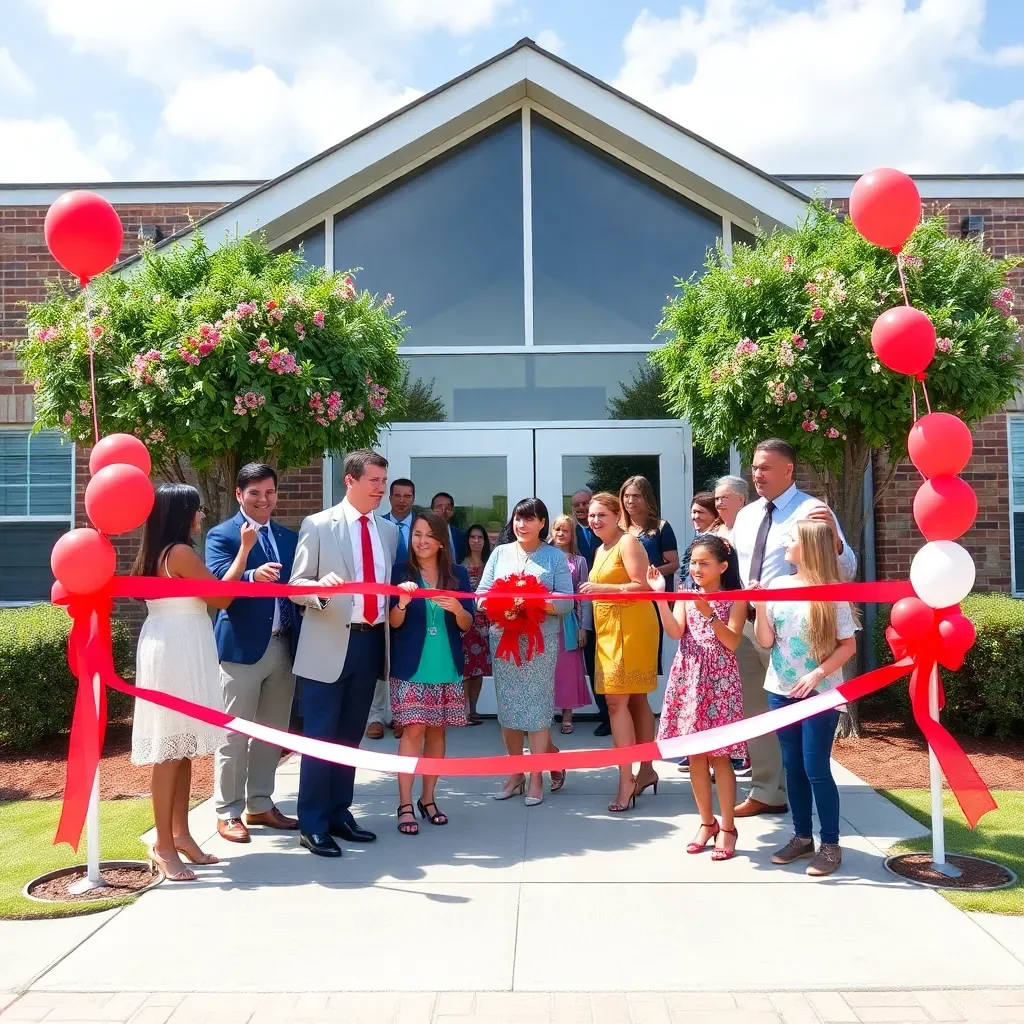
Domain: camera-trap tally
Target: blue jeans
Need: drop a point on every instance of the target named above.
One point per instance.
(806, 752)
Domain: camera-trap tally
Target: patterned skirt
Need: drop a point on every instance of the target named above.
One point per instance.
(432, 704)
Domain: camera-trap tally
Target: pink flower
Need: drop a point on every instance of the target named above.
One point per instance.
(334, 399)
(96, 332)
(318, 318)
(85, 408)
(716, 375)
(49, 334)
(206, 347)
(792, 396)
(157, 436)
(944, 344)
(68, 418)
(747, 282)
(283, 362)
(347, 291)
(276, 315)
(832, 432)
(262, 344)
(823, 414)
(778, 390)
(251, 399)
(1005, 357)
(788, 262)
(810, 426)
(746, 347)
(817, 313)
(805, 383)
(1006, 294)
(153, 356)
(244, 309)
(349, 418)
(300, 330)
(254, 357)
(323, 422)
(269, 305)
(797, 342)
(293, 300)
(811, 288)
(786, 354)
(915, 262)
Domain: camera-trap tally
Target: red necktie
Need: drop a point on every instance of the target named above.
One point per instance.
(370, 606)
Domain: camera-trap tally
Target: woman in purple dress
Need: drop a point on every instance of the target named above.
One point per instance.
(570, 677)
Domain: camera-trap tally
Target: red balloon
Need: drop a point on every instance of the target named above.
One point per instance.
(885, 207)
(945, 508)
(58, 593)
(904, 339)
(957, 633)
(120, 448)
(119, 499)
(912, 618)
(940, 444)
(83, 561)
(83, 233)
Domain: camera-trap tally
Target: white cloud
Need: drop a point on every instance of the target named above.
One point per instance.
(1007, 57)
(549, 39)
(13, 81)
(456, 16)
(842, 86)
(47, 150)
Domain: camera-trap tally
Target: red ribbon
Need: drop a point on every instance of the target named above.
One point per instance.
(517, 619)
(90, 654)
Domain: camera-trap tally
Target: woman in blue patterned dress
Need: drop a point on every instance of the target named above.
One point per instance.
(526, 694)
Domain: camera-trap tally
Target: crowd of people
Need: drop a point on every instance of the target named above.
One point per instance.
(362, 662)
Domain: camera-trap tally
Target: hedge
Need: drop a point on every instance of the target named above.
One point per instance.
(37, 689)
(984, 697)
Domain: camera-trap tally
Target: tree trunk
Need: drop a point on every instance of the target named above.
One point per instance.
(216, 485)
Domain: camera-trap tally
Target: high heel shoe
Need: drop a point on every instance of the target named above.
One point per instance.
(718, 853)
(713, 829)
(201, 858)
(435, 817)
(557, 780)
(651, 780)
(158, 866)
(507, 794)
(532, 801)
(616, 808)
(407, 828)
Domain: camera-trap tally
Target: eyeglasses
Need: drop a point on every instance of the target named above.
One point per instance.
(204, 510)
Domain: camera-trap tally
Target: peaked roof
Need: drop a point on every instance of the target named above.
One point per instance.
(523, 70)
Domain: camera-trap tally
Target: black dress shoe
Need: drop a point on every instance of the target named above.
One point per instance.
(603, 730)
(321, 845)
(352, 833)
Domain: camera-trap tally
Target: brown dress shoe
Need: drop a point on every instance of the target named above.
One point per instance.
(749, 807)
(397, 730)
(233, 830)
(272, 819)
(375, 731)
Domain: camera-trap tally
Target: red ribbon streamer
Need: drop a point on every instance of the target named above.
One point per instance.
(90, 654)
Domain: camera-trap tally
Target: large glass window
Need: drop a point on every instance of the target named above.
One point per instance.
(608, 243)
(534, 386)
(447, 242)
(314, 251)
(35, 509)
(1016, 445)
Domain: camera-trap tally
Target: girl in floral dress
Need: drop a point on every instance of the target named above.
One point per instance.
(704, 688)
(475, 643)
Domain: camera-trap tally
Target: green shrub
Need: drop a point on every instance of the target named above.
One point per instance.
(37, 689)
(986, 695)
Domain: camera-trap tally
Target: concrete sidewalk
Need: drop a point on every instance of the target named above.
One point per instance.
(560, 898)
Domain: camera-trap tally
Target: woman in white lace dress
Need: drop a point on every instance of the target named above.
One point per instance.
(177, 654)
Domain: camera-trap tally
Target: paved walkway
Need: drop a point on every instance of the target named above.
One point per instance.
(525, 908)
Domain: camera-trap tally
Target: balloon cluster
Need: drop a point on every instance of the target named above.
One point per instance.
(118, 499)
(885, 207)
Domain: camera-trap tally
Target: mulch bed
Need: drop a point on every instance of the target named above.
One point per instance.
(894, 755)
(121, 882)
(975, 874)
(40, 774)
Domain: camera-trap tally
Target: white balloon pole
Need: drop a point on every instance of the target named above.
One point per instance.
(93, 879)
(935, 778)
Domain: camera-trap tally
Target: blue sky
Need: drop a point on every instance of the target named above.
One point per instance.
(178, 89)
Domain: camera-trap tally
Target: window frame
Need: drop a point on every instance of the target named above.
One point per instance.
(1016, 505)
(44, 518)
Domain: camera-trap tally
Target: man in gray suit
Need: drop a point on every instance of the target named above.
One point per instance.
(343, 645)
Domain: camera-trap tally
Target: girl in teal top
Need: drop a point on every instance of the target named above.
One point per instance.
(427, 693)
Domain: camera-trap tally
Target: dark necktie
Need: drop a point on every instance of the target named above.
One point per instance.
(403, 544)
(371, 607)
(284, 606)
(757, 559)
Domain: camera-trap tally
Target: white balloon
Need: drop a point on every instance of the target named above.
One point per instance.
(942, 573)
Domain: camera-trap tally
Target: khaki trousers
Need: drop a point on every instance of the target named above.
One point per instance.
(766, 772)
(380, 709)
(246, 768)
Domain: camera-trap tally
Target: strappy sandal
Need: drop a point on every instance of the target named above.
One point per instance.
(197, 857)
(407, 828)
(718, 853)
(435, 817)
(159, 866)
(567, 728)
(616, 808)
(712, 829)
(557, 780)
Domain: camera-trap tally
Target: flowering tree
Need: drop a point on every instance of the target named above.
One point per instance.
(215, 358)
(776, 342)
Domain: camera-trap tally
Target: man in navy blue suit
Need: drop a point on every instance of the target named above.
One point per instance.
(256, 642)
(443, 504)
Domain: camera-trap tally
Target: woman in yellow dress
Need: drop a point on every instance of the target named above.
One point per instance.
(626, 663)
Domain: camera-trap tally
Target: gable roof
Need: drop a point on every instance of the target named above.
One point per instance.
(523, 71)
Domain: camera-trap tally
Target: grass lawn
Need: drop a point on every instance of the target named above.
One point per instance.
(999, 837)
(27, 828)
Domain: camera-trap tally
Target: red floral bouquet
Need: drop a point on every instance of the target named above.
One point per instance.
(518, 617)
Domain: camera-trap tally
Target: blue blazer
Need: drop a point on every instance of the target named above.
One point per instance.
(407, 640)
(459, 542)
(243, 628)
(587, 543)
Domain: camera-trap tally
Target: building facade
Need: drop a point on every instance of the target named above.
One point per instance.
(531, 221)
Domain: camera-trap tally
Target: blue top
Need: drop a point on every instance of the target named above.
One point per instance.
(408, 639)
(243, 628)
(656, 544)
(587, 543)
(547, 563)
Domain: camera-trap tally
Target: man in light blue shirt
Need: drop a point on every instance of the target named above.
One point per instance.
(758, 534)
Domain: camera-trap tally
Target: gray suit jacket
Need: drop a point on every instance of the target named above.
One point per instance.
(324, 546)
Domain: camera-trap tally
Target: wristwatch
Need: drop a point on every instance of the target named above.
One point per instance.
(711, 617)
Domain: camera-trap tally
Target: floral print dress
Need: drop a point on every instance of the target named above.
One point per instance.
(704, 688)
(474, 641)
